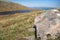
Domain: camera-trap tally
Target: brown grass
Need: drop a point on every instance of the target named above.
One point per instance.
(16, 26)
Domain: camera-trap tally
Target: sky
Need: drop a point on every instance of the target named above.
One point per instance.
(39, 3)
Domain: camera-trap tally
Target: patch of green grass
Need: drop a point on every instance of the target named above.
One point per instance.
(13, 28)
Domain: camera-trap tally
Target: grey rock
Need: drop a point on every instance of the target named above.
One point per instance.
(30, 38)
(48, 24)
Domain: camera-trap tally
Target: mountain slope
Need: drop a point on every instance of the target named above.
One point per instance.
(9, 6)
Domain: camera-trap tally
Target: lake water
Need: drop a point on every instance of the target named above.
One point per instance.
(43, 8)
(16, 11)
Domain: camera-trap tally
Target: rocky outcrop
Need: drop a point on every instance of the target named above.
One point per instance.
(48, 24)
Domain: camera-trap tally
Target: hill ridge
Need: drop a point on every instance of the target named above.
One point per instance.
(9, 6)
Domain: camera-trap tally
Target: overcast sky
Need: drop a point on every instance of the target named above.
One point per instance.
(39, 3)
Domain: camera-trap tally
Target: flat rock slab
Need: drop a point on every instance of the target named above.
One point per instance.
(31, 38)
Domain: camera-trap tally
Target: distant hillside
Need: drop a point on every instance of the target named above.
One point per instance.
(59, 9)
(9, 6)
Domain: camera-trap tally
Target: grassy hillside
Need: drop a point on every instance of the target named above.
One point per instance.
(9, 6)
(59, 9)
(14, 27)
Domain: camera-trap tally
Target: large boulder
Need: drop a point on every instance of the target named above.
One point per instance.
(48, 24)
